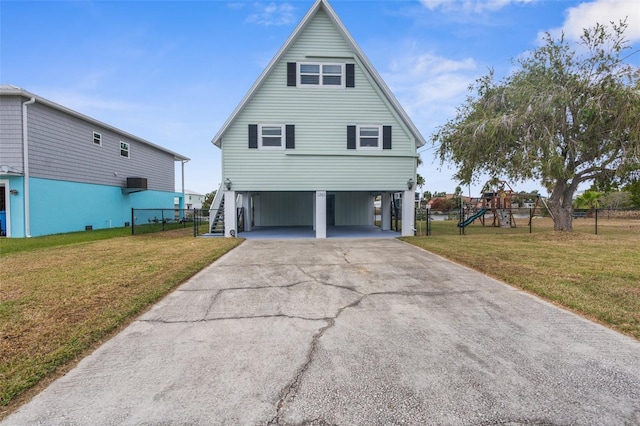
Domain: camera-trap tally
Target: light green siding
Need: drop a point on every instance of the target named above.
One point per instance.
(296, 208)
(320, 160)
(283, 208)
(354, 208)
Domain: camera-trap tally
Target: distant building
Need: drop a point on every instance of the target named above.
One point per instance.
(61, 171)
(192, 199)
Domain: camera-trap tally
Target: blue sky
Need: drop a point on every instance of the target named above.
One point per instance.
(172, 72)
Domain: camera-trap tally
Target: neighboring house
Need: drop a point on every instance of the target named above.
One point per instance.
(61, 171)
(192, 199)
(317, 137)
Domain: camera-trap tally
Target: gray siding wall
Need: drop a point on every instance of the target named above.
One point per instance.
(61, 147)
(320, 160)
(11, 132)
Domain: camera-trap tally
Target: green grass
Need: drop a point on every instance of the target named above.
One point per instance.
(16, 245)
(597, 276)
(608, 226)
(62, 295)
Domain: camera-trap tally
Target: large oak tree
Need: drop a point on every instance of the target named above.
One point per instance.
(567, 115)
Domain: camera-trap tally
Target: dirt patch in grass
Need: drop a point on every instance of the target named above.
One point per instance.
(597, 276)
(57, 303)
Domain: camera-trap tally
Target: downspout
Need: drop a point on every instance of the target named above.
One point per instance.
(183, 196)
(25, 161)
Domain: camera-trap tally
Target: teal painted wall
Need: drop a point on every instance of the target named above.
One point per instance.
(15, 205)
(62, 206)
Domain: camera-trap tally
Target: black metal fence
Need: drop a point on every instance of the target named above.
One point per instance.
(523, 220)
(144, 221)
(201, 223)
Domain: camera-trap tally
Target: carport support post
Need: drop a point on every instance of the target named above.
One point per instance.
(408, 213)
(385, 211)
(246, 205)
(230, 213)
(321, 214)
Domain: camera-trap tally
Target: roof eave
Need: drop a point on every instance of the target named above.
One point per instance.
(217, 139)
(420, 141)
(9, 90)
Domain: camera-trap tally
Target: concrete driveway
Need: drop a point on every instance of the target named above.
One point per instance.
(348, 332)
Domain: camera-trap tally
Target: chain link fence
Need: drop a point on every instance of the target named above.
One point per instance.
(522, 221)
(144, 221)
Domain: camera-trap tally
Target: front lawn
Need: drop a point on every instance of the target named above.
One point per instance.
(61, 296)
(597, 276)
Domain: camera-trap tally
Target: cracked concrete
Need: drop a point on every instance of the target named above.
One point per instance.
(348, 332)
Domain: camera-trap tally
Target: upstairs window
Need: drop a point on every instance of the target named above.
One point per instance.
(124, 149)
(270, 136)
(320, 75)
(97, 139)
(369, 137)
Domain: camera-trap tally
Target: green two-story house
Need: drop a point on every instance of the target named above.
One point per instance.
(317, 137)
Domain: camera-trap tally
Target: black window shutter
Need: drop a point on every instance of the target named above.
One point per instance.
(351, 137)
(292, 71)
(350, 80)
(253, 136)
(386, 137)
(290, 132)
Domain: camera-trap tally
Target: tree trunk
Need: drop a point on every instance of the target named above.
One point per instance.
(562, 219)
(561, 206)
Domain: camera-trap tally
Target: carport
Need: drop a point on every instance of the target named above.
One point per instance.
(297, 232)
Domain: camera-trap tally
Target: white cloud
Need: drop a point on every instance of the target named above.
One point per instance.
(273, 14)
(469, 6)
(430, 87)
(586, 15)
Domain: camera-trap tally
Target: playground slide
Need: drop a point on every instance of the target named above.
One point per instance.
(470, 219)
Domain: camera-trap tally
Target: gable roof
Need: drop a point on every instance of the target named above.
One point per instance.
(9, 90)
(324, 5)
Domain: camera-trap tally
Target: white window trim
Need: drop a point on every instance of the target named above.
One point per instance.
(99, 137)
(369, 148)
(128, 149)
(343, 75)
(283, 136)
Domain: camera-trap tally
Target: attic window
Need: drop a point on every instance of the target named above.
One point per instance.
(320, 74)
(97, 139)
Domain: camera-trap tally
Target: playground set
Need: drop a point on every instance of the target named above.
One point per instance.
(496, 199)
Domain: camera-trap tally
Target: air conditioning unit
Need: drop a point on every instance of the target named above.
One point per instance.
(135, 184)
